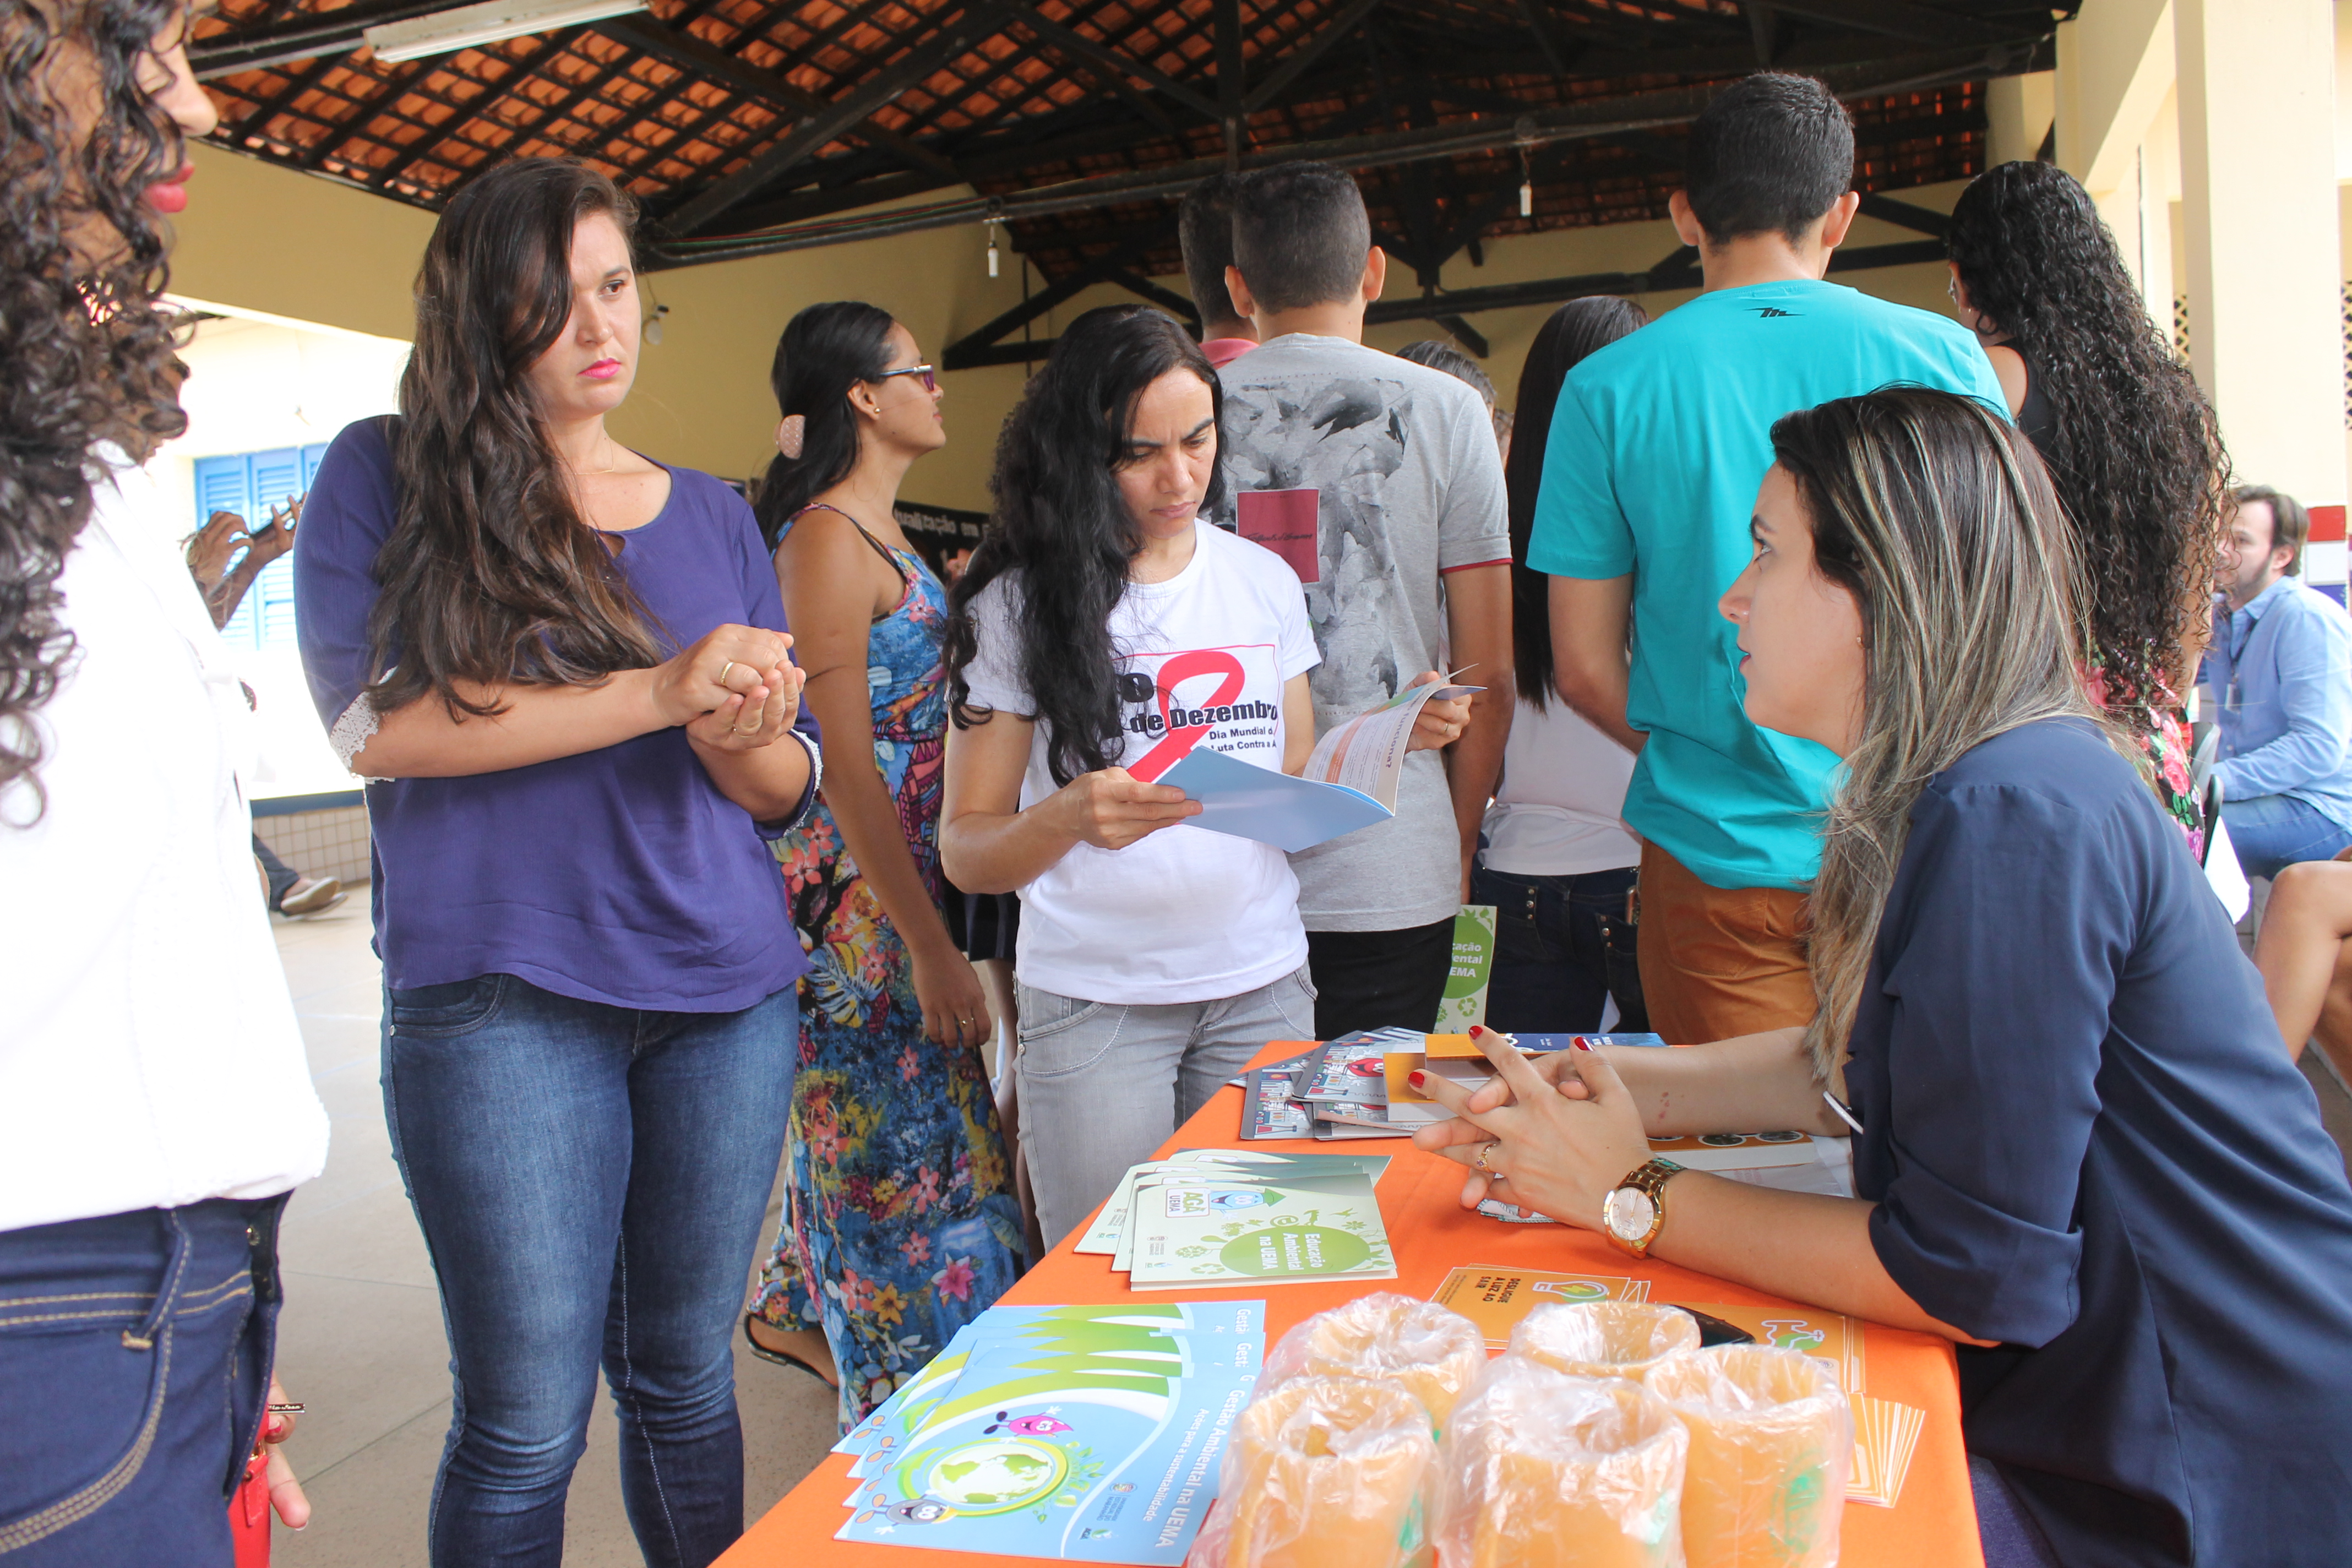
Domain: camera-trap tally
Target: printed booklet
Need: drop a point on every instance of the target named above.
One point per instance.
(1349, 781)
(1255, 1231)
(1089, 1434)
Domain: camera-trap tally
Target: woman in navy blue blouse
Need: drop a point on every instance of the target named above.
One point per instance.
(2081, 1152)
(561, 667)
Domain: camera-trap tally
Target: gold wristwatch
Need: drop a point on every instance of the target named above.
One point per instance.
(1633, 1213)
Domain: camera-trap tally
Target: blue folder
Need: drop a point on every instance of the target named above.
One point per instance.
(1250, 801)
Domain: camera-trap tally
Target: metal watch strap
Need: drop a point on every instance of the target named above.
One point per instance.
(1649, 1178)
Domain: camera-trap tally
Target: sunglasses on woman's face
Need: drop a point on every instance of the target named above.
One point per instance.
(930, 377)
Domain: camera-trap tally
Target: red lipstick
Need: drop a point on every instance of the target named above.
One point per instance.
(170, 196)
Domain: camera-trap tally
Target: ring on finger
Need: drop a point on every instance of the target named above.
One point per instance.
(1480, 1159)
(724, 670)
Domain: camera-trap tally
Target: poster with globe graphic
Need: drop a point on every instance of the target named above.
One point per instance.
(1092, 1434)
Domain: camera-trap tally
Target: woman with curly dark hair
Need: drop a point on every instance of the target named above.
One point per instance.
(1100, 634)
(563, 669)
(2132, 446)
(155, 1107)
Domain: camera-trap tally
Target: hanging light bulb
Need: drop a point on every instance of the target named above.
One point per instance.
(654, 324)
(1526, 129)
(991, 247)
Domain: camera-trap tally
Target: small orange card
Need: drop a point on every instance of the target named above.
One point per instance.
(1495, 1297)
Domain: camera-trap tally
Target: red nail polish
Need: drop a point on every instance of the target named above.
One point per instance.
(1416, 1078)
(1582, 1044)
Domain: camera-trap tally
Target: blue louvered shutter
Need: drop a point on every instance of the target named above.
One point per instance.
(277, 479)
(226, 484)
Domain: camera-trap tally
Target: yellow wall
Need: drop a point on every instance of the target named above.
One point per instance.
(262, 239)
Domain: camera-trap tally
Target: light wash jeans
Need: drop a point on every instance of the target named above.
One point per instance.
(592, 1182)
(2271, 832)
(1103, 1084)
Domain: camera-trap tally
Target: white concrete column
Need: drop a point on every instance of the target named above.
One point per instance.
(2257, 118)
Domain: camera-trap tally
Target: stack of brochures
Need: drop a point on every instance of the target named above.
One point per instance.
(1092, 1434)
(1353, 1087)
(1209, 1218)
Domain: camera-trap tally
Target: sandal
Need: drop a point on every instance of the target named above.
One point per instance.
(781, 1358)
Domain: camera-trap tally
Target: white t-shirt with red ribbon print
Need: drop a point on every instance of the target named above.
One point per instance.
(1184, 915)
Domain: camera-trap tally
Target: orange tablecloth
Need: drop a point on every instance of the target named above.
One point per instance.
(1935, 1526)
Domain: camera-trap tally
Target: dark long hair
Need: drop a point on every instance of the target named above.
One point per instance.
(825, 349)
(1572, 332)
(85, 356)
(1061, 528)
(2135, 456)
(490, 574)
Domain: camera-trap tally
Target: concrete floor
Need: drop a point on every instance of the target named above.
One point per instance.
(360, 1338)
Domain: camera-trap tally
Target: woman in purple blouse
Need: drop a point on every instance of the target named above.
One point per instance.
(562, 669)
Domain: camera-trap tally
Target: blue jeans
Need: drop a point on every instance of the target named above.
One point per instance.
(134, 1358)
(592, 1182)
(2271, 832)
(1551, 959)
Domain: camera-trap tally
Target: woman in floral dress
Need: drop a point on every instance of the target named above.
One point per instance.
(900, 1220)
(2131, 445)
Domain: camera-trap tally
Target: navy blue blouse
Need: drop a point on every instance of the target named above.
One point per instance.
(2087, 1144)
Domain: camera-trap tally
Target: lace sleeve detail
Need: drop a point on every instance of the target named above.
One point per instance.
(351, 733)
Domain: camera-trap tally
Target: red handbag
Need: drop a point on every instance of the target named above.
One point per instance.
(248, 1514)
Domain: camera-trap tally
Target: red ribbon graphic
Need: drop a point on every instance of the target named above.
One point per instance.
(1177, 744)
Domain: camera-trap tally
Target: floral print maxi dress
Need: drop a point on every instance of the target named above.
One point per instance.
(900, 1225)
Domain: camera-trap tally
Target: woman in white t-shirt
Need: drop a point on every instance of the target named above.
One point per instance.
(1100, 634)
(1556, 862)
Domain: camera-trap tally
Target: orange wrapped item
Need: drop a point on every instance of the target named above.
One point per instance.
(1322, 1472)
(1540, 1469)
(1434, 1352)
(1772, 1440)
(1605, 1339)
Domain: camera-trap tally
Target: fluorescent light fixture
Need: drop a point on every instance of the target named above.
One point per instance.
(471, 27)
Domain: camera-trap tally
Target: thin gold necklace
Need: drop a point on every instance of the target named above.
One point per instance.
(591, 473)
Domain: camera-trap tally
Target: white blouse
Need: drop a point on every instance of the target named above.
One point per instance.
(149, 1054)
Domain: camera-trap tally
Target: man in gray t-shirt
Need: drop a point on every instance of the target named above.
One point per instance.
(1410, 567)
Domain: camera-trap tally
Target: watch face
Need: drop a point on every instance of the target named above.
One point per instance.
(1628, 1213)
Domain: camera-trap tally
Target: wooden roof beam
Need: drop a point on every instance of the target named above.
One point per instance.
(812, 133)
(1117, 60)
(692, 52)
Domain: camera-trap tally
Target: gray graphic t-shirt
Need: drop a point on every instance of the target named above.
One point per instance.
(1409, 486)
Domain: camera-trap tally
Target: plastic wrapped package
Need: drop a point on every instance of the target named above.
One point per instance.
(1434, 1354)
(1772, 1440)
(1322, 1472)
(1540, 1469)
(1605, 1339)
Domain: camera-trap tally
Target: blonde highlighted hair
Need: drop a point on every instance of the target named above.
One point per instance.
(1939, 520)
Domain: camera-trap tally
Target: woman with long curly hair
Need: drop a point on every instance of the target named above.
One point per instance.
(2080, 1156)
(899, 1222)
(155, 1107)
(563, 669)
(1099, 635)
(2131, 445)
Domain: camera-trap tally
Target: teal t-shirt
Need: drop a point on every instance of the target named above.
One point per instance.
(1657, 447)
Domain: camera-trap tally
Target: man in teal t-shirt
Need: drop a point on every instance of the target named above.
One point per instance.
(1657, 447)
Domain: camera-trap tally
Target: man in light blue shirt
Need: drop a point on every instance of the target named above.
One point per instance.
(1657, 446)
(2279, 671)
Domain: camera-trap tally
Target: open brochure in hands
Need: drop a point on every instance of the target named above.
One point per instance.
(1349, 781)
